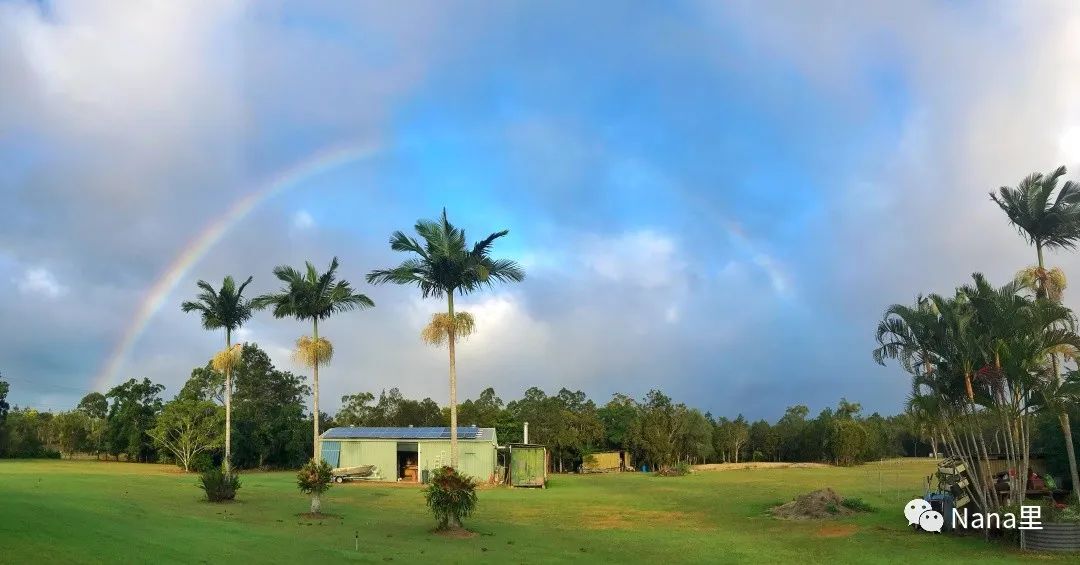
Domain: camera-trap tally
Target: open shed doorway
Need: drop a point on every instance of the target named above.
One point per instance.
(408, 459)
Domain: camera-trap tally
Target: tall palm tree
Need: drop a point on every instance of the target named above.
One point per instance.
(225, 308)
(314, 296)
(443, 265)
(1043, 219)
(1048, 221)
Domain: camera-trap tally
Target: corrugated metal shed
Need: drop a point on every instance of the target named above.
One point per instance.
(464, 433)
(409, 452)
(606, 461)
(528, 465)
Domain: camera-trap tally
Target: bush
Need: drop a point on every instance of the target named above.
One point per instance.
(857, 504)
(202, 462)
(451, 497)
(314, 479)
(1070, 514)
(1058, 513)
(680, 469)
(218, 486)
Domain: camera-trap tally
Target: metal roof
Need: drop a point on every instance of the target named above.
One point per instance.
(464, 433)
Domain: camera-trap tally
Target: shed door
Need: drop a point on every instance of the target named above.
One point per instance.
(331, 452)
(527, 466)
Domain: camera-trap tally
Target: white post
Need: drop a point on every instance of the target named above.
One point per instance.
(526, 439)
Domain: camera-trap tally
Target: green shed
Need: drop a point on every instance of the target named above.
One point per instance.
(410, 454)
(528, 465)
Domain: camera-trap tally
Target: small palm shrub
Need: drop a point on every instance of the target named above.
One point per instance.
(218, 486)
(314, 479)
(451, 497)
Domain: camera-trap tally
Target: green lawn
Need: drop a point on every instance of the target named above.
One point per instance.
(86, 511)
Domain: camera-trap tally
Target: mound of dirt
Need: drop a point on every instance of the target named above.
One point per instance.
(823, 503)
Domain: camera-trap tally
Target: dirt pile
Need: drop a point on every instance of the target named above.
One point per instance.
(824, 503)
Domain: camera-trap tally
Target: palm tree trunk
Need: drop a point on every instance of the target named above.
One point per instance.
(316, 455)
(453, 381)
(1067, 430)
(1066, 425)
(228, 404)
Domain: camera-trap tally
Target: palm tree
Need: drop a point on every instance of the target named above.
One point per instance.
(1046, 221)
(314, 296)
(442, 266)
(977, 359)
(225, 308)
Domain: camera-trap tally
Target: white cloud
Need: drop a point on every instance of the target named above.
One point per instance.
(644, 258)
(303, 220)
(40, 281)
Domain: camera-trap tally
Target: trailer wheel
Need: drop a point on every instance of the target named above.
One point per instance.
(339, 480)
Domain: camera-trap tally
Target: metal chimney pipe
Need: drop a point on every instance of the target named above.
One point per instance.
(526, 440)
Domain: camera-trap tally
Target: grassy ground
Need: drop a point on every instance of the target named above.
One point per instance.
(86, 511)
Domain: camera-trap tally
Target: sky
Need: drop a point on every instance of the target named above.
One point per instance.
(715, 199)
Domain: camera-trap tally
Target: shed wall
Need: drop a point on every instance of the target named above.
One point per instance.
(478, 458)
(528, 466)
(604, 461)
(382, 454)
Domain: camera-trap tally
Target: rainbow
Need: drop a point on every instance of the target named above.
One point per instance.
(195, 249)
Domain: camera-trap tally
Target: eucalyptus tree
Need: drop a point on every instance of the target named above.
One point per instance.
(440, 267)
(1047, 218)
(223, 309)
(309, 295)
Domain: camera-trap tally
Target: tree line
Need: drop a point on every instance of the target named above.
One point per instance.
(271, 424)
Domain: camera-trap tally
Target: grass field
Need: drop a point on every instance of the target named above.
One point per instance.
(87, 511)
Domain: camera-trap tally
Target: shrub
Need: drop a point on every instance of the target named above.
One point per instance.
(1058, 513)
(680, 469)
(202, 462)
(314, 479)
(1070, 514)
(218, 486)
(451, 497)
(832, 508)
(857, 504)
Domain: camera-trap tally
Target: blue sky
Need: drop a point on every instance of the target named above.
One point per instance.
(718, 199)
